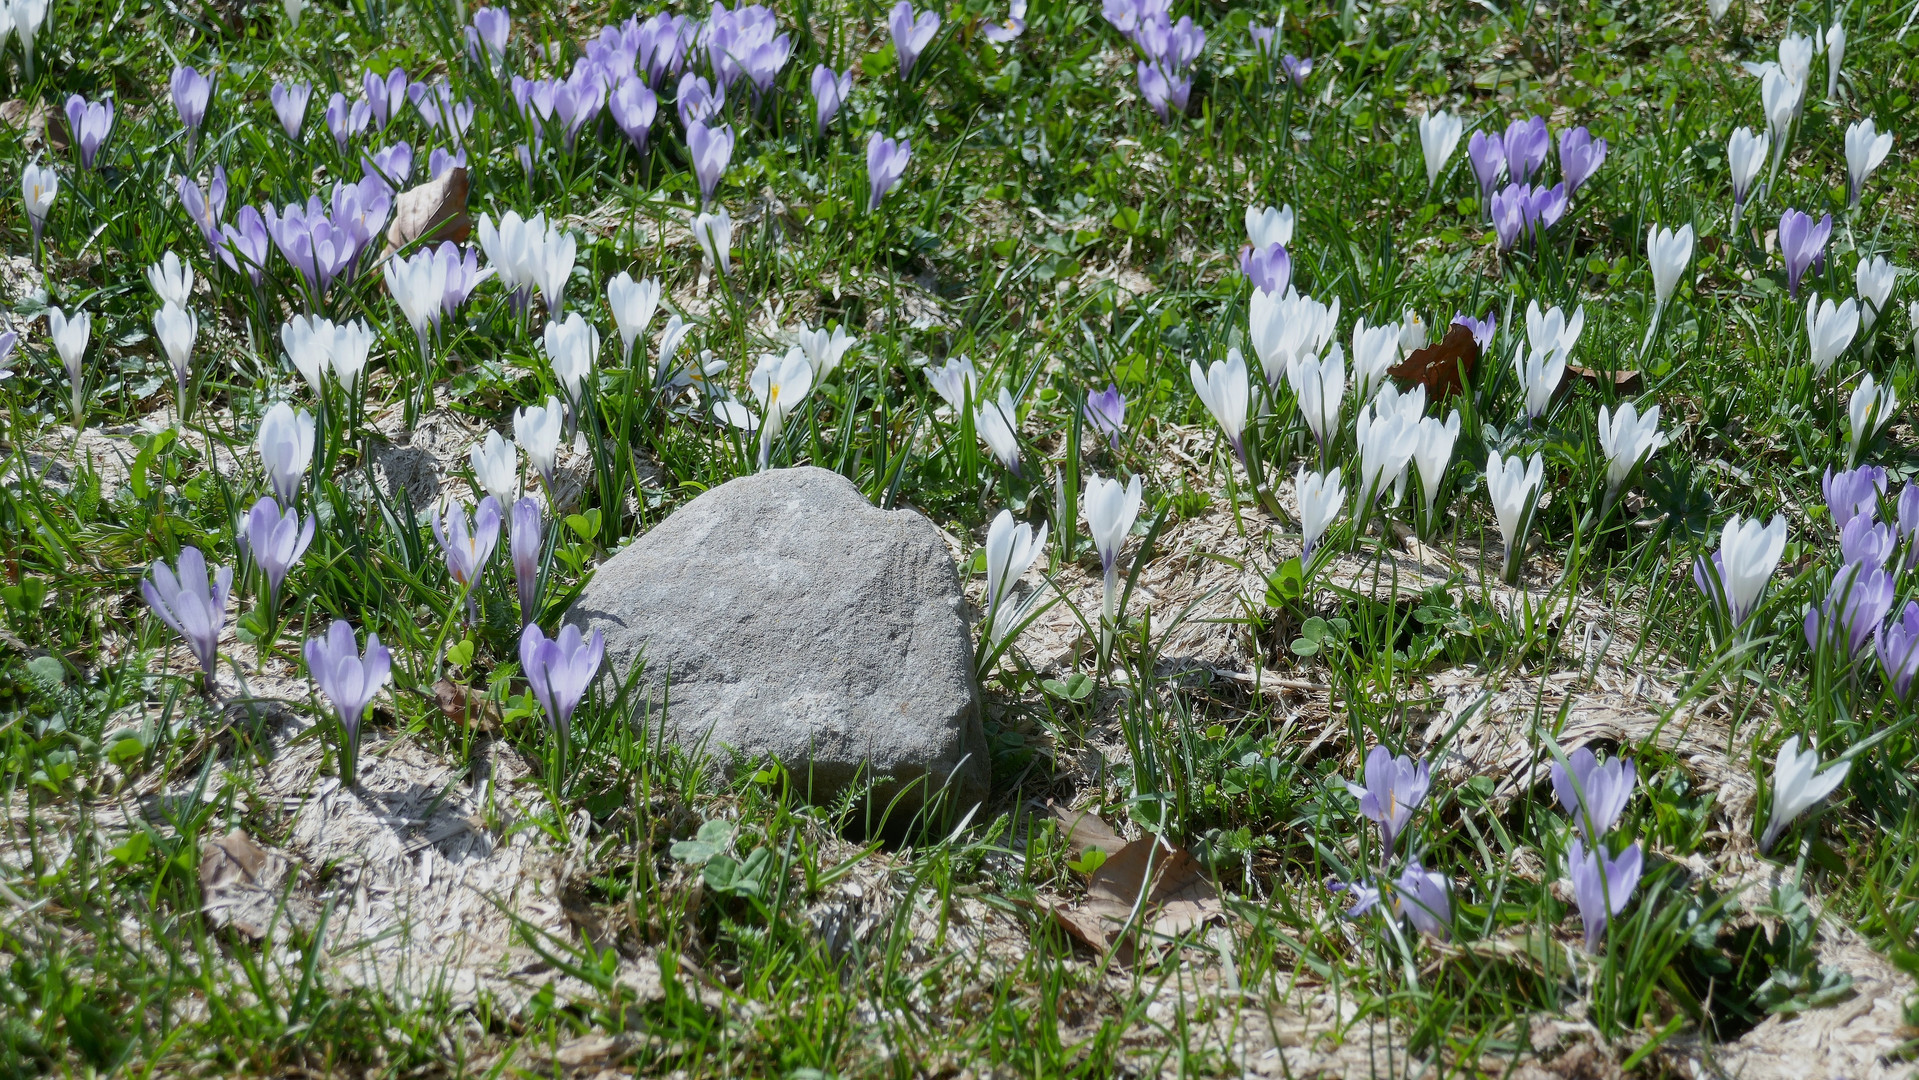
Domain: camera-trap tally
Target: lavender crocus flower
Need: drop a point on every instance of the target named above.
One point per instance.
(390, 165)
(1580, 156)
(1270, 268)
(1509, 214)
(290, 105)
(89, 122)
(578, 100)
(463, 275)
(558, 671)
(190, 93)
(1909, 520)
(711, 149)
(346, 120)
(1105, 412)
(1594, 795)
(1897, 644)
(440, 161)
(385, 95)
(911, 35)
(830, 91)
(1544, 207)
(1488, 156)
(886, 162)
(634, 107)
(1854, 605)
(1000, 33)
(488, 35)
(1484, 330)
(350, 682)
(1526, 144)
(1419, 894)
(205, 207)
(1395, 786)
(276, 541)
(1166, 94)
(1264, 38)
(697, 101)
(1802, 244)
(1867, 542)
(1297, 69)
(525, 539)
(467, 547)
(192, 602)
(1853, 492)
(1602, 885)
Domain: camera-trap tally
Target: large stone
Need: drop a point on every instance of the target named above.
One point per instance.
(782, 614)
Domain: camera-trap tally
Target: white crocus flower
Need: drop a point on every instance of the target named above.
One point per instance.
(1866, 149)
(418, 285)
(1668, 251)
(1514, 487)
(780, 383)
(1780, 97)
(714, 233)
(554, 254)
(1539, 376)
(1749, 552)
(1835, 55)
(826, 350)
(1717, 8)
(1745, 159)
(997, 423)
(496, 467)
(172, 280)
(1795, 58)
(1321, 496)
(308, 340)
(1432, 453)
(1829, 329)
(1110, 508)
(633, 304)
(1438, 136)
(1375, 351)
(177, 328)
(38, 185)
(70, 337)
(352, 344)
(1225, 391)
(1871, 410)
(1551, 329)
(537, 429)
(1412, 332)
(1874, 279)
(956, 382)
(1011, 550)
(1628, 438)
(285, 444)
(675, 331)
(1319, 386)
(571, 344)
(1266, 226)
(1798, 783)
(1387, 437)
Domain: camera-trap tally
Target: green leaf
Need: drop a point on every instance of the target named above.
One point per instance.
(1285, 584)
(1076, 687)
(48, 671)
(132, 850)
(1092, 860)
(460, 655)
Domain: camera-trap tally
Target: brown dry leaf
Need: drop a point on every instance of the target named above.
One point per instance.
(235, 884)
(433, 212)
(1085, 829)
(1165, 884)
(466, 706)
(1624, 381)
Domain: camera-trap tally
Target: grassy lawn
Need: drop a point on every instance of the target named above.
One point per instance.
(1407, 726)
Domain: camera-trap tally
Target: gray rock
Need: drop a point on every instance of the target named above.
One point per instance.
(784, 614)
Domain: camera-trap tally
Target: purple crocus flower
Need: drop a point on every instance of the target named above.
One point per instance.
(1601, 885)
(243, 244)
(885, 163)
(535, 99)
(1544, 207)
(1509, 214)
(1484, 330)
(1867, 542)
(1105, 412)
(1897, 644)
(1802, 243)
(660, 46)
(290, 105)
(468, 547)
(1580, 156)
(697, 101)
(1854, 605)
(1263, 38)
(1594, 795)
(89, 123)
(1166, 94)
(463, 275)
(711, 149)
(830, 91)
(350, 683)
(190, 93)
(439, 111)
(1488, 155)
(311, 243)
(192, 602)
(385, 95)
(1270, 268)
(525, 539)
(1297, 69)
(1526, 144)
(578, 100)
(911, 34)
(1000, 33)
(1853, 492)
(276, 541)
(634, 107)
(558, 671)
(390, 165)
(206, 208)
(1419, 895)
(1173, 46)
(346, 120)
(1394, 788)
(438, 162)
(1909, 521)
(488, 34)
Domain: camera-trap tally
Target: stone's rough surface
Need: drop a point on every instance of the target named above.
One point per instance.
(783, 614)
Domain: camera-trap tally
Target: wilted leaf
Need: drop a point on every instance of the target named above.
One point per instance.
(1147, 885)
(433, 212)
(235, 885)
(1624, 382)
(466, 706)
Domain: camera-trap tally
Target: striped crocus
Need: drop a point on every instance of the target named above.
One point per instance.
(467, 546)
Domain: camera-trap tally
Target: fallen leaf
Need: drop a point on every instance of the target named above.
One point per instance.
(1085, 829)
(1627, 381)
(230, 859)
(235, 889)
(1442, 368)
(1147, 885)
(466, 706)
(433, 212)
